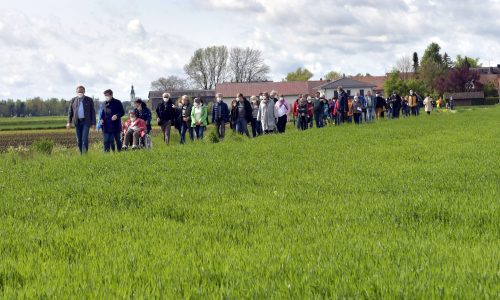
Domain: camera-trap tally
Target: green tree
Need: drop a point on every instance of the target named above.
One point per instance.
(432, 54)
(473, 62)
(415, 62)
(299, 75)
(332, 75)
(447, 61)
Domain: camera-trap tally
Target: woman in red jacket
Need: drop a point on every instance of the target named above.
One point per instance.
(133, 130)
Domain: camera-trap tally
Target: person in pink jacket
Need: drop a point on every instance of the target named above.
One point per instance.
(133, 130)
(282, 109)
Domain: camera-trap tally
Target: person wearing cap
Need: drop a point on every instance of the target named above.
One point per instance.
(111, 121)
(282, 109)
(165, 116)
(220, 116)
(82, 115)
(186, 120)
(199, 115)
(133, 130)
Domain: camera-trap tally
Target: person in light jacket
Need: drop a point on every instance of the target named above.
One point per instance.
(282, 109)
(428, 104)
(267, 114)
(199, 116)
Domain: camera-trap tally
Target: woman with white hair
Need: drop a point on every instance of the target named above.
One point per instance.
(267, 115)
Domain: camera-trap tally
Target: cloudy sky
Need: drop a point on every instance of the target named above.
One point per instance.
(48, 47)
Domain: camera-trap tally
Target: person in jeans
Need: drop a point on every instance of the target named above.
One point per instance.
(357, 110)
(82, 114)
(133, 130)
(318, 110)
(165, 116)
(370, 107)
(199, 115)
(220, 116)
(256, 127)
(111, 121)
(413, 103)
(143, 112)
(243, 115)
(186, 119)
(233, 115)
(282, 109)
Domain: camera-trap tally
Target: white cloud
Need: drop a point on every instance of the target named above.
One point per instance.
(47, 56)
(135, 27)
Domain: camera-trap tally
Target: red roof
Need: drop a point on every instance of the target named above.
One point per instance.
(293, 88)
(377, 81)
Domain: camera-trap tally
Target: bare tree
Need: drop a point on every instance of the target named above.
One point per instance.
(405, 66)
(170, 83)
(247, 65)
(208, 66)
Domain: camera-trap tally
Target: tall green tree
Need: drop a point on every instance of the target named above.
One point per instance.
(416, 63)
(447, 61)
(299, 75)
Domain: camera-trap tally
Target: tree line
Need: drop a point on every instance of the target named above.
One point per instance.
(39, 107)
(436, 73)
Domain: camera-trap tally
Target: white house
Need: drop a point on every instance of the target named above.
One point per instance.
(349, 85)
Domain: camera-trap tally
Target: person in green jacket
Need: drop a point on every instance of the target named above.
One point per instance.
(199, 115)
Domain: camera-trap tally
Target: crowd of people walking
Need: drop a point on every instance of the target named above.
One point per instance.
(267, 113)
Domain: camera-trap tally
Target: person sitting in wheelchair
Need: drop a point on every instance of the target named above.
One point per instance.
(133, 130)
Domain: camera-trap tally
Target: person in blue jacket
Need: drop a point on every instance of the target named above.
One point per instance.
(220, 116)
(110, 121)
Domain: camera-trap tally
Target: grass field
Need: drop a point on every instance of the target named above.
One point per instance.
(398, 209)
(33, 123)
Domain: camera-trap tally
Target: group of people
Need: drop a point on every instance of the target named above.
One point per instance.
(266, 113)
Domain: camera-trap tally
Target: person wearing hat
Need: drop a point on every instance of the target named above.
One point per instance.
(199, 115)
(165, 116)
(133, 130)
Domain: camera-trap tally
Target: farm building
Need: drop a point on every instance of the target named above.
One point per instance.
(290, 90)
(350, 85)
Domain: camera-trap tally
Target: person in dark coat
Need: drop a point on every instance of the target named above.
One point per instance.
(220, 116)
(243, 115)
(165, 115)
(111, 121)
(343, 103)
(82, 114)
(397, 103)
(186, 120)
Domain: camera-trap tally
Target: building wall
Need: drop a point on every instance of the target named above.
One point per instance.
(330, 93)
(291, 99)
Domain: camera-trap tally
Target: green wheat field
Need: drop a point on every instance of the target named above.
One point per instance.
(406, 209)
